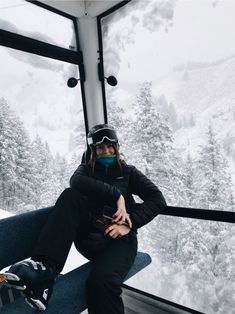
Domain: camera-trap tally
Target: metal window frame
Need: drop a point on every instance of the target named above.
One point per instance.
(155, 300)
(52, 9)
(26, 44)
(101, 64)
(198, 213)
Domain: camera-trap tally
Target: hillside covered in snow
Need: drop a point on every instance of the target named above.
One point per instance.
(4, 214)
(201, 94)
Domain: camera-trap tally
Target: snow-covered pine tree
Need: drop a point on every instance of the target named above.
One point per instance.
(152, 147)
(8, 155)
(203, 249)
(24, 170)
(46, 183)
(74, 162)
(213, 179)
(189, 182)
(77, 145)
(62, 171)
(120, 121)
(151, 150)
(77, 136)
(51, 181)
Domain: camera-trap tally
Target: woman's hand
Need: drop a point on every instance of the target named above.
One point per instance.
(121, 216)
(116, 231)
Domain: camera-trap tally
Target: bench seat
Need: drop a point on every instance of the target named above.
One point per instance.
(69, 292)
(18, 235)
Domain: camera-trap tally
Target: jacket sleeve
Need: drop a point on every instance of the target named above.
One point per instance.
(153, 200)
(95, 189)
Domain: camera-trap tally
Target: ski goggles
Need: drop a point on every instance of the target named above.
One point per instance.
(102, 136)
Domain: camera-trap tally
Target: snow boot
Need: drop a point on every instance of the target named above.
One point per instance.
(34, 279)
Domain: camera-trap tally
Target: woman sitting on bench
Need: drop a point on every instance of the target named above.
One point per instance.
(99, 214)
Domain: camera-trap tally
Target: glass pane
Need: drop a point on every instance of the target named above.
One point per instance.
(192, 263)
(42, 133)
(173, 106)
(24, 18)
(175, 65)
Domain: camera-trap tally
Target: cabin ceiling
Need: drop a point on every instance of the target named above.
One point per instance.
(78, 8)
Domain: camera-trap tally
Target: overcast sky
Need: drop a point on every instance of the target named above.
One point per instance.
(154, 37)
(201, 30)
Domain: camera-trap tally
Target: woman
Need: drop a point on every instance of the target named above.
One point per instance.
(99, 214)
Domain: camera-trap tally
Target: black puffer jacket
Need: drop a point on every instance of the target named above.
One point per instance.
(104, 186)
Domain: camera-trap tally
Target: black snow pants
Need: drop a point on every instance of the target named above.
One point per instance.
(70, 221)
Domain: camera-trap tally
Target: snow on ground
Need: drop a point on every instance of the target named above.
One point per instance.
(74, 260)
(5, 214)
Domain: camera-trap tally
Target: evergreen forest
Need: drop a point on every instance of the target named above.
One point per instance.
(193, 260)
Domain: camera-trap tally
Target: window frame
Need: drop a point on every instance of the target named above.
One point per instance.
(101, 61)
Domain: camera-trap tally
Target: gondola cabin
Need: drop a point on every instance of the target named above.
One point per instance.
(163, 74)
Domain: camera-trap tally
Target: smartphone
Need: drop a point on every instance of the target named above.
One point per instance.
(106, 219)
(108, 212)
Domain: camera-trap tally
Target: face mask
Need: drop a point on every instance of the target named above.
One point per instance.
(106, 160)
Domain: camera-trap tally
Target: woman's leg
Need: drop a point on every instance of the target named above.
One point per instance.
(37, 276)
(108, 273)
(69, 215)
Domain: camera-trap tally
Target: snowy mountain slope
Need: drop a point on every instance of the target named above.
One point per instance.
(5, 214)
(206, 92)
(198, 88)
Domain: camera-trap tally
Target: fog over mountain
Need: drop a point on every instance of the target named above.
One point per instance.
(204, 92)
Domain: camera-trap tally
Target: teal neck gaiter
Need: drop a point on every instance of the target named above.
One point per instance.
(106, 160)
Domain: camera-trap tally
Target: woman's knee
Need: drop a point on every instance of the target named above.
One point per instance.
(73, 203)
(71, 194)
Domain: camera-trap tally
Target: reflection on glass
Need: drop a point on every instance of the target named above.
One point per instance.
(25, 18)
(174, 106)
(41, 129)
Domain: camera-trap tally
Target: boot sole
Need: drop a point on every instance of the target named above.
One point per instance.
(10, 280)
